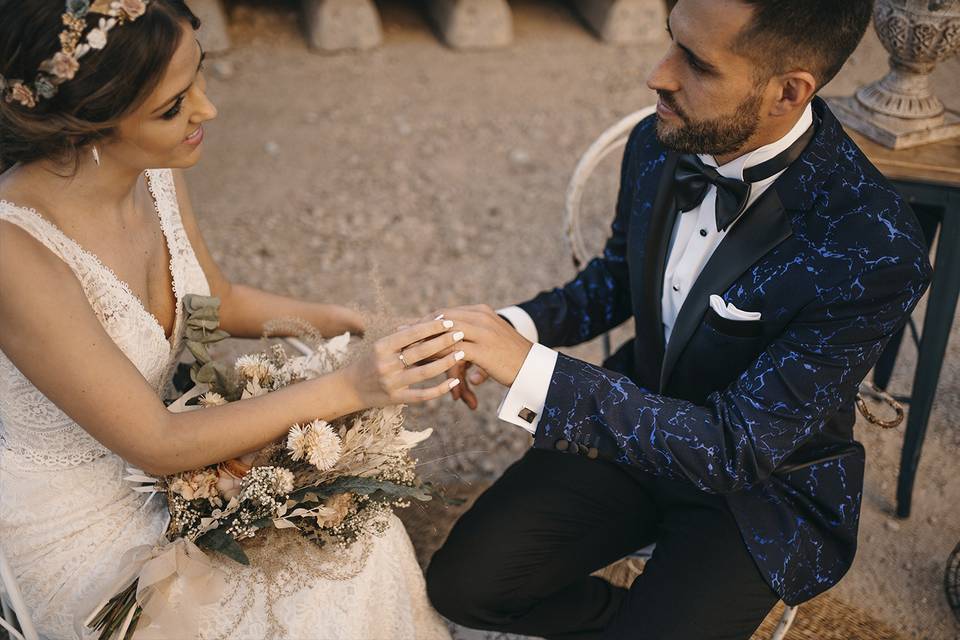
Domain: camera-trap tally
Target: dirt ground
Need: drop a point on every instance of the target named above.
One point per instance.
(428, 177)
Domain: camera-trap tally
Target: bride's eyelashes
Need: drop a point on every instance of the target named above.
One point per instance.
(177, 107)
(175, 110)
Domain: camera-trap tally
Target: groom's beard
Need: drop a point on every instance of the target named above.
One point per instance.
(717, 136)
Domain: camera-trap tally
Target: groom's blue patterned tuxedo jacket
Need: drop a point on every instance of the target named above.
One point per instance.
(761, 412)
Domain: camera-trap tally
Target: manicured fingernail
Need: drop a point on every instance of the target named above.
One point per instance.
(459, 355)
(448, 324)
(458, 336)
(475, 378)
(439, 317)
(454, 383)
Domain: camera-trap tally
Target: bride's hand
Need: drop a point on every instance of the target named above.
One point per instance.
(381, 378)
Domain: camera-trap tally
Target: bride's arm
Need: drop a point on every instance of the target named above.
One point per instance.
(244, 310)
(49, 331)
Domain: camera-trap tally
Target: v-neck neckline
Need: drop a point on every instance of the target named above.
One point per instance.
(171, 339)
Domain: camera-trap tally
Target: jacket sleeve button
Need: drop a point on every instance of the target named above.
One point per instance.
(593, 453)
(562, 445)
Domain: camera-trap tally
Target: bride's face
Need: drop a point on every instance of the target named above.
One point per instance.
(167, 129)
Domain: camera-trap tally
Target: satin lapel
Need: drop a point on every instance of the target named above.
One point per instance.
(763, 227)
(662, 218)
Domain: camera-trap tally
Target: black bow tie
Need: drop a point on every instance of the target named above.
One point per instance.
(693, 178)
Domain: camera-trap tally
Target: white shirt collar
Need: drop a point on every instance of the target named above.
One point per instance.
(736, 167)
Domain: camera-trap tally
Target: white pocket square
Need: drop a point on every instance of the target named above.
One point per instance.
(730, 312)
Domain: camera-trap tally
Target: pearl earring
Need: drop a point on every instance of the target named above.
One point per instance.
(96, 155)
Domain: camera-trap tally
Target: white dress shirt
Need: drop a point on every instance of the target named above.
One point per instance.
(694, 239)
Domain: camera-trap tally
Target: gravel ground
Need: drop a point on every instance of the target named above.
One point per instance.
(413, 177)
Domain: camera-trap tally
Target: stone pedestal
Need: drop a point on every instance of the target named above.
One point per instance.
(891, 131)
(472, 24)
(213, 30)
(625, 21)
(337, 25)
(901, 109)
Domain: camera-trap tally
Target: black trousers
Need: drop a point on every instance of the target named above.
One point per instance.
(520, 559)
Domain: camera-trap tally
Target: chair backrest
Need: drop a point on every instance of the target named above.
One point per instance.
(609, 141)
(12, 599)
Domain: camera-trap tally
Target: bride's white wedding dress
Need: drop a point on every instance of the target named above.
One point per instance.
(67, 517)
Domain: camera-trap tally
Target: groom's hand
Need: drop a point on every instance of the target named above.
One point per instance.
(469, 375)
(490, 342)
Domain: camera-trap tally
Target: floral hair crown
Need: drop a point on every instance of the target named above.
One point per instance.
(64, 64)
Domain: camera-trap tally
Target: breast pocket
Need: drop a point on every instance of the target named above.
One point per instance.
(733, 328)
(719, 351)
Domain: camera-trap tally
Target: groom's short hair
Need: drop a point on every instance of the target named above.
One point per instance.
(813, 35)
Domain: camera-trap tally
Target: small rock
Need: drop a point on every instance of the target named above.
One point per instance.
(932, 520)
(893, 525)
(272, 148)
(223, 69)
(519, 157)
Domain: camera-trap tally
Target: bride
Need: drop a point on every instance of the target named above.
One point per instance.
(98, 247)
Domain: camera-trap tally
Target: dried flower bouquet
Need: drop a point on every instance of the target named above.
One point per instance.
(333, 482)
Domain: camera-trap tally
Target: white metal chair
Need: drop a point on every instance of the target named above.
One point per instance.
(611, 140)
(16, 619)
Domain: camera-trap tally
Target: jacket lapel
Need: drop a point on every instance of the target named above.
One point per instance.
(763, 227)
(663, 215)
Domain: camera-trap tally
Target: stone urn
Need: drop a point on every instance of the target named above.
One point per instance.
(901, 110)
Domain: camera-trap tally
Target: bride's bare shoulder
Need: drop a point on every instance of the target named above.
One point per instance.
(28, 265)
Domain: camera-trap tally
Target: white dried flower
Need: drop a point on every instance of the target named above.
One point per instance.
(253, 367)
(323, 445)
(284, 481)
(211, 399)
(297, 442)
(97, 38)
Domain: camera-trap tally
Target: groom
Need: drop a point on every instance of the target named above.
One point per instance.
(765, 263)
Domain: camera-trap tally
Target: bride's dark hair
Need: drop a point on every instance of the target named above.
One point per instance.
(109, 84)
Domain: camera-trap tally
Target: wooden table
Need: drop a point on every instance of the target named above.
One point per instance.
(929, 178)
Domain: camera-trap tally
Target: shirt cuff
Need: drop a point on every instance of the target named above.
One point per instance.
(523, 404)
(521, 321)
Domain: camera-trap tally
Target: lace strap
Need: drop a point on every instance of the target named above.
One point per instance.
(46, 233)
(164, 192)
(161, 186)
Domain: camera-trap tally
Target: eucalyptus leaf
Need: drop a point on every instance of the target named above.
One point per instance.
(195, 301)
(219, 541)
(209, 324)
(207, 374)
(216, 336)
(368, 486)
(198, 351)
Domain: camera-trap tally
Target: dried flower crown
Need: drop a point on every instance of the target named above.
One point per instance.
(64, 64)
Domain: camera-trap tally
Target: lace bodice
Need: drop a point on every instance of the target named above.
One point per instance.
(32, 428)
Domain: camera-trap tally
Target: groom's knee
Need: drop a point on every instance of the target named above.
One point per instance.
(466, 593)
